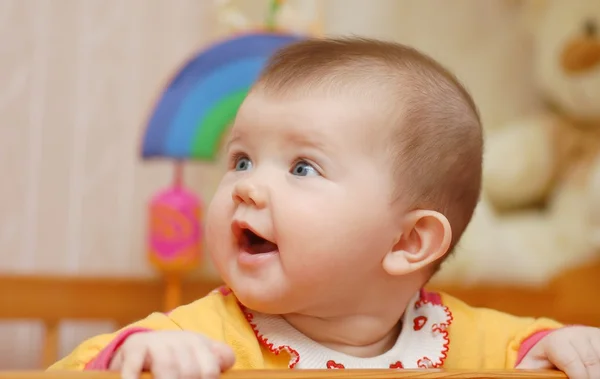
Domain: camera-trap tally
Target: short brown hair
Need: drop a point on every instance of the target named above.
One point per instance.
(438, 142)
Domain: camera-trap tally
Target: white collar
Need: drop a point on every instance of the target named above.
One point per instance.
(422, 343)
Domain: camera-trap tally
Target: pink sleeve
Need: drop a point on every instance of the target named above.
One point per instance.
(102, 360)
(530, 342)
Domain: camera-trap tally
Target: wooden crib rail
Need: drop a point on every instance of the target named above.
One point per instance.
(315, 374)
(56, 298)
(53, 299)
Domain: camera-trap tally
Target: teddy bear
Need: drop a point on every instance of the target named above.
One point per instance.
(482, 42)
(540, 208)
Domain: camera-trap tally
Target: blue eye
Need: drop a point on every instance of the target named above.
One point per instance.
(304, 169)
(243, 164)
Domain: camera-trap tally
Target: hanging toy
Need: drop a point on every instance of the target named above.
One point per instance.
(188, 123)
(174, 242)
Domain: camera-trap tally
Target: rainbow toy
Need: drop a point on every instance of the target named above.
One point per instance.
(188, 123)
(201, 101)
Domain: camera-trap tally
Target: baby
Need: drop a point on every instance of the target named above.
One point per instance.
(354, 168)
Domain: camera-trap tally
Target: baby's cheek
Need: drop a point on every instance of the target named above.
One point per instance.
(217, 224)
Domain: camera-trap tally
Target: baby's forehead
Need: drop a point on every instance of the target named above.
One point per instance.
(334, 120)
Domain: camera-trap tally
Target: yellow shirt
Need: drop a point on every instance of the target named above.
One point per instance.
(439, 330)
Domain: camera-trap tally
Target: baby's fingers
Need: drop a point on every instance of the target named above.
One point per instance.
(596, 343)
(116, 362)
(224, 353)
(131, 363)
(208, 362)
(569, 360)
(163, 362)
(189, 365)
(589, 356)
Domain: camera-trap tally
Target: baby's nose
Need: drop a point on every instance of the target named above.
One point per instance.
(250, 194)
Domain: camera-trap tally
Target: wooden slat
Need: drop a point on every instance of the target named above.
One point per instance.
(50, 343)
(568, 299)
(315, 374)
(55, 298)
(528, 302)
(567, 307)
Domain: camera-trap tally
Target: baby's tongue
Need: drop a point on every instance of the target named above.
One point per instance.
(263, 247)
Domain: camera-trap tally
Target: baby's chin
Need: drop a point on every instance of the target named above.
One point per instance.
(265, 301)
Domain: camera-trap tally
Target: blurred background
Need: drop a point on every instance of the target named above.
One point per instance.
(79, 78)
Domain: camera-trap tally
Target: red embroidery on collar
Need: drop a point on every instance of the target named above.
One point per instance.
(425, 362)
(295, 356)
(334, 365)
(419, 322)
(429, 297)
(435, 299)
(397, 365)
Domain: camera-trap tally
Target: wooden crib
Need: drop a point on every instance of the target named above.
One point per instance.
(316, 374)
(571, 298)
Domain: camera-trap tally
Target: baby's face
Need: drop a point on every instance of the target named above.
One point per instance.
(303, 217)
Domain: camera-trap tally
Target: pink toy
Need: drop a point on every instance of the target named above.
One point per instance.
(175, 231)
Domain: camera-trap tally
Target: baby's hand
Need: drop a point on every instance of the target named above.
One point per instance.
(172, 354)
(574, 350)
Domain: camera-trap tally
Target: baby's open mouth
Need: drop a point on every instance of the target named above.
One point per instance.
(255, 244)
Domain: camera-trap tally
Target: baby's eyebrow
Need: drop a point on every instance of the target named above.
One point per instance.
(313, 140)
(234, 137)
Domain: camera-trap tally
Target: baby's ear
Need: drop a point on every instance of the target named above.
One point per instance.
(426, 237)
